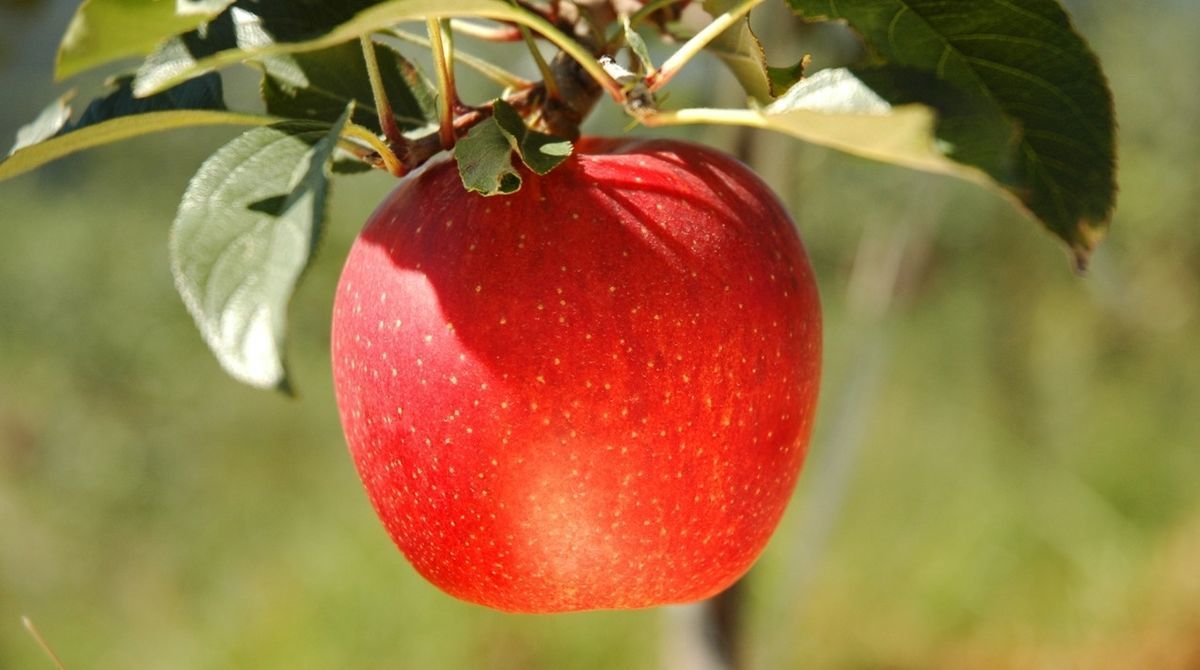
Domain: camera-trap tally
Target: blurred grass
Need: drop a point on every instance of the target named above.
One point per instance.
(1023, 495)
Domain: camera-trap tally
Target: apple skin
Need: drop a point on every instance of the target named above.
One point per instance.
(595, 393)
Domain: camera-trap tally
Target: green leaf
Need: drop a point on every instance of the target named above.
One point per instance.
(784, 78)
(247, 228)
(318, 85)
(1023, 59)
(203, 92)
(638, 46)
(742, 52)
(115, 130)
(274, 27)
(485, 155)
(105, 30)
(541, 152)
(485, 160)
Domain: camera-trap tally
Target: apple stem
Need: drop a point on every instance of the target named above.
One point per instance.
(696, 44)
(383, 107)
(444, 65)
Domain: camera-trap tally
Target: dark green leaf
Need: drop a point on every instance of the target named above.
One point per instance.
(203, 92)
(318, 85)
(541, 152)
(246, 25)
(1024, 61)
(485, 160)
(783, 78)
(274, 27)
(106, 30)
(350, 166)
(247, 228)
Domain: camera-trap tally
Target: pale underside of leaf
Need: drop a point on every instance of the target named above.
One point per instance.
(834, 109)
(46, 125)
(1024, 58)
(246, 229)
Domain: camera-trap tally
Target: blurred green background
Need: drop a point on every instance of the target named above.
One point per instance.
(1005, 471)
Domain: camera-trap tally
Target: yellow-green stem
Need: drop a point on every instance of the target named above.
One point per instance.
(572, 48)
(696, 44)
(448, 52)
(497, 74)
(719, 117)
(447, 97)
(390, 161)
(543, 67)
(383, 107)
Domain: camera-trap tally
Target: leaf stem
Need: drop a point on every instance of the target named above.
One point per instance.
(572, 48)
(542, 66)
(448, 99)
(697, 43)
(720, 117)
(448, 49)
(497, 74)
(383, 107)
(390, 161)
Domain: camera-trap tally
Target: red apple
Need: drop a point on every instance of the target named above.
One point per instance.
(593, 393)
